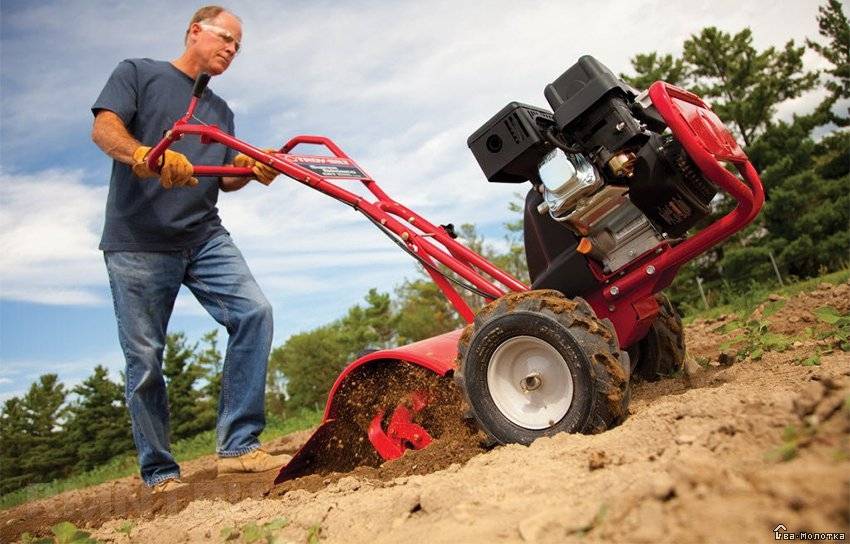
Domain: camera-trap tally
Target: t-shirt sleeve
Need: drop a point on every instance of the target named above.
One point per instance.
(120, 93)
(231, 129)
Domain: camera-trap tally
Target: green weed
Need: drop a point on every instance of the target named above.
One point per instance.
(252, 533)
(813, 360)
(702, 361)
(772, 307)
(840, 332)
(754, 340)
(313, 534)
(792, 439)
(63, 533)
(126, 528)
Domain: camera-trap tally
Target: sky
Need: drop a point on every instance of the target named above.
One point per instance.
(398, 85)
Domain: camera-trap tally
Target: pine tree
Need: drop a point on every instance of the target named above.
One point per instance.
(48, 455)
(744, 84)
(99, 423)
(834, 27)
(15, 440)
(370, 327)
(652, 67)
(818, 238)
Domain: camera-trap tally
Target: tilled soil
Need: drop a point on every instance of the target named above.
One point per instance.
(722, 453)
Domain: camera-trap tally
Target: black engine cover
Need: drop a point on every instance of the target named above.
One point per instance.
(669, 188)
(550, 250)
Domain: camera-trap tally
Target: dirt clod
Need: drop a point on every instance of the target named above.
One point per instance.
(597, 459)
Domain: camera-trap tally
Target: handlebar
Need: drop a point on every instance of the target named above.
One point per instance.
(214, 134)
(201, 83)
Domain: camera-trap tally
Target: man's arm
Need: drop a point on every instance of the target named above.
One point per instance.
(228, 184)
(110, 135)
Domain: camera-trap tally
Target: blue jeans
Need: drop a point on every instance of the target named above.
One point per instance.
(144, 286)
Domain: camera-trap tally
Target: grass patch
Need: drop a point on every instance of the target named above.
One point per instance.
(754, 339)
(125, 465)
(744, 304)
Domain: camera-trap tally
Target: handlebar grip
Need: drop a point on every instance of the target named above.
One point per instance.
(200, 84)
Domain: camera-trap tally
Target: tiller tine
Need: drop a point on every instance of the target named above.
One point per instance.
(330, 445)
(401, 431)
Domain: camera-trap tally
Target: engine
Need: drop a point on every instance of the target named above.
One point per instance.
(603, 162)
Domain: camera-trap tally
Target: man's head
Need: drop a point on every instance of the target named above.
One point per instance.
(213, 38)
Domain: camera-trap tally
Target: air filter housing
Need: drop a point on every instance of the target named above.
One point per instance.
(509, 146)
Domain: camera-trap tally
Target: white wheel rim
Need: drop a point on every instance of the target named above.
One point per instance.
(530, 382)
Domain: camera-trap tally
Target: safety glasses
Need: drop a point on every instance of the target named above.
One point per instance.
(224, 34)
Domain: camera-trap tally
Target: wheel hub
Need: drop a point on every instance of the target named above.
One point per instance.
(530, 382)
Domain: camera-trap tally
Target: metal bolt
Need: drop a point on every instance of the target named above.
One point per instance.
(383, 221)
(615, 290)
(650, 270)
(412, 219)
(620, 126)
(531, 382)
(405, 236)
(611, 308)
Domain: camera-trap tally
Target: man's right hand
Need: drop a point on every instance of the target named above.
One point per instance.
(175, 171)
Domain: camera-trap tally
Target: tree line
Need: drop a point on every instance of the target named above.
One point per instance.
(51, 432)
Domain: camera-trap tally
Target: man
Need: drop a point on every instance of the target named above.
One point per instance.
(158, 236)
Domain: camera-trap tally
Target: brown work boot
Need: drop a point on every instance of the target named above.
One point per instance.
(167, 485)
(258, 460)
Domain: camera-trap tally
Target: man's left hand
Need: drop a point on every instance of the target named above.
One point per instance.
(264, 173)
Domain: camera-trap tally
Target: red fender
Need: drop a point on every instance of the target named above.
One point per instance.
(437, 354)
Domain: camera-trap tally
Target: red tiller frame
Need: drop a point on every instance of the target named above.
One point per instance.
(410, 227)
(625, 297)
(707, 142)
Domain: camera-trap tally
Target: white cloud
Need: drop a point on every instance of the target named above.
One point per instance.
(399, 85)
(17, 374)
(49, 228)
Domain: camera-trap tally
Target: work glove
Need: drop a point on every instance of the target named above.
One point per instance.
(176, 170)
(264, 173)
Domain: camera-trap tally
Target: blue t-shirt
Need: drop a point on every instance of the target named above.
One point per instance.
(149, 96)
